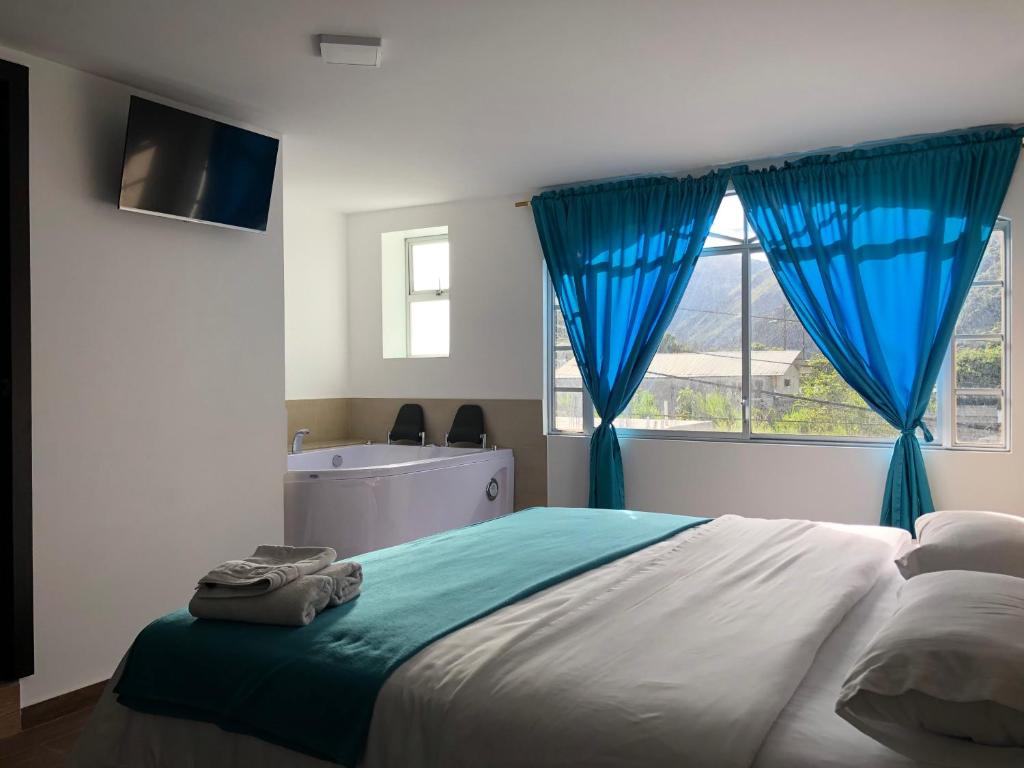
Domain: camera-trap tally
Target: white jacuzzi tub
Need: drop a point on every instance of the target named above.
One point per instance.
(363, 497)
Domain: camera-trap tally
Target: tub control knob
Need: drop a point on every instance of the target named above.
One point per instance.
(337, 460)
(492, 489)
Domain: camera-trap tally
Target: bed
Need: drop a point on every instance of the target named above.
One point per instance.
(723, 645)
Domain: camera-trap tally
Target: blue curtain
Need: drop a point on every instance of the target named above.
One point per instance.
(620, 256)
(875, 249)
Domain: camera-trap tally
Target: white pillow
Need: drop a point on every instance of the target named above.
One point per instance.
(943, 681)
(957, 540)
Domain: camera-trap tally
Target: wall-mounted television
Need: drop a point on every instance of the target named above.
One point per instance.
(185, 166)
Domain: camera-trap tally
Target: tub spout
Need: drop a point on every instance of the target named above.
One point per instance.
(297, 440)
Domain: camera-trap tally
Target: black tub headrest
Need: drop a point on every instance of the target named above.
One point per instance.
(467, 426)
(408, 423)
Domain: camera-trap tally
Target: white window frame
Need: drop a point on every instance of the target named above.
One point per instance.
(944, 433)
(949, 373)
(411, 296)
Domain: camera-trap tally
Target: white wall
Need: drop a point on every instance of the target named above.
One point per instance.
(316, 316)
(837, 483)
(158, 383)
(496, 323)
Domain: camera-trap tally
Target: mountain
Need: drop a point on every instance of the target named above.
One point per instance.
(709, 316)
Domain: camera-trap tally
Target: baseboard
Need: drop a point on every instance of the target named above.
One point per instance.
(59, 706)
(10, 709)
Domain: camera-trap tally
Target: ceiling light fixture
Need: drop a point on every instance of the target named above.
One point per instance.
(354, 51)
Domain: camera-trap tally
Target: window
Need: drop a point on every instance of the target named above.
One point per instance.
(427, 297)
(979, 371)
(735, 363)
(566, 382)
(416, 293)
(816, 401)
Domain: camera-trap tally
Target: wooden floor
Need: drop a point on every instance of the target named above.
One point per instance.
(45, 746)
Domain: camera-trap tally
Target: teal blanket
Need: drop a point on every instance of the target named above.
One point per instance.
(312, 689)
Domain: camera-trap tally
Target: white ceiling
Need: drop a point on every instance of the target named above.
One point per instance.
(488, 97)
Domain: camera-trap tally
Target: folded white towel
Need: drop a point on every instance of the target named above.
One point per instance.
(295, 604)
(348, 580)
(267, 569)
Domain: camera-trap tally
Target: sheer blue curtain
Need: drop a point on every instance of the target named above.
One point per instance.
(875, 249)
(620, 256)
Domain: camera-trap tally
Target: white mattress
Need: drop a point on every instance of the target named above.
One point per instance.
(806, 732)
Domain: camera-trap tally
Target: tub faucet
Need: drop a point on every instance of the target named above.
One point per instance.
(297, 440)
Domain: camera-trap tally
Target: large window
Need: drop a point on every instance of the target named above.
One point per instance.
(736, 363)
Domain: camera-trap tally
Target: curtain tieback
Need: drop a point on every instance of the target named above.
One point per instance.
(924, 428)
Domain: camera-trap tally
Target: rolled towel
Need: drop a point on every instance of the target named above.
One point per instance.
(267, 569)
(293, 605)
(348, 580)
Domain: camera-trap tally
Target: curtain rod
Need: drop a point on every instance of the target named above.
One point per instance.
(789, 157)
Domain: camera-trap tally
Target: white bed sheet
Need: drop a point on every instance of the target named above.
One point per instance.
(682, 654)
(806, 732)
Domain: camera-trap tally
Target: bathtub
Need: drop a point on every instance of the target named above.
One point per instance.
(363, 497)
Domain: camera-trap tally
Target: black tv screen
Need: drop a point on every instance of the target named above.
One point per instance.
(190, 167)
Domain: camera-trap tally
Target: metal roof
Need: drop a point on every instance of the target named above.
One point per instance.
(712, 365)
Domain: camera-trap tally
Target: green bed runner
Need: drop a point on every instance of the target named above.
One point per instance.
(313, 689)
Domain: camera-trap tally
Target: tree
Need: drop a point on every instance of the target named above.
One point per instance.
(980, 367)
(716, 407)
(670, 344)
(723, 412)
(644, 406)
(827, 405)
(688, 404)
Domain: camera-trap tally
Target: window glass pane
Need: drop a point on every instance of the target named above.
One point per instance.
(695, 380)
(979, 419)
(429, 265)
(992, 262)
(568, 411)
(568, 405)
(727, 228)
(751, 234)
(558, 324)
(931, 415)
(566, 373)
(979, 364)
(982, 311)
(428, 328)
(794, 390)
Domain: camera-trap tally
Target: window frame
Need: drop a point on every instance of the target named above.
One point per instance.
(949, 373)
(945, 437)
(412, 296)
